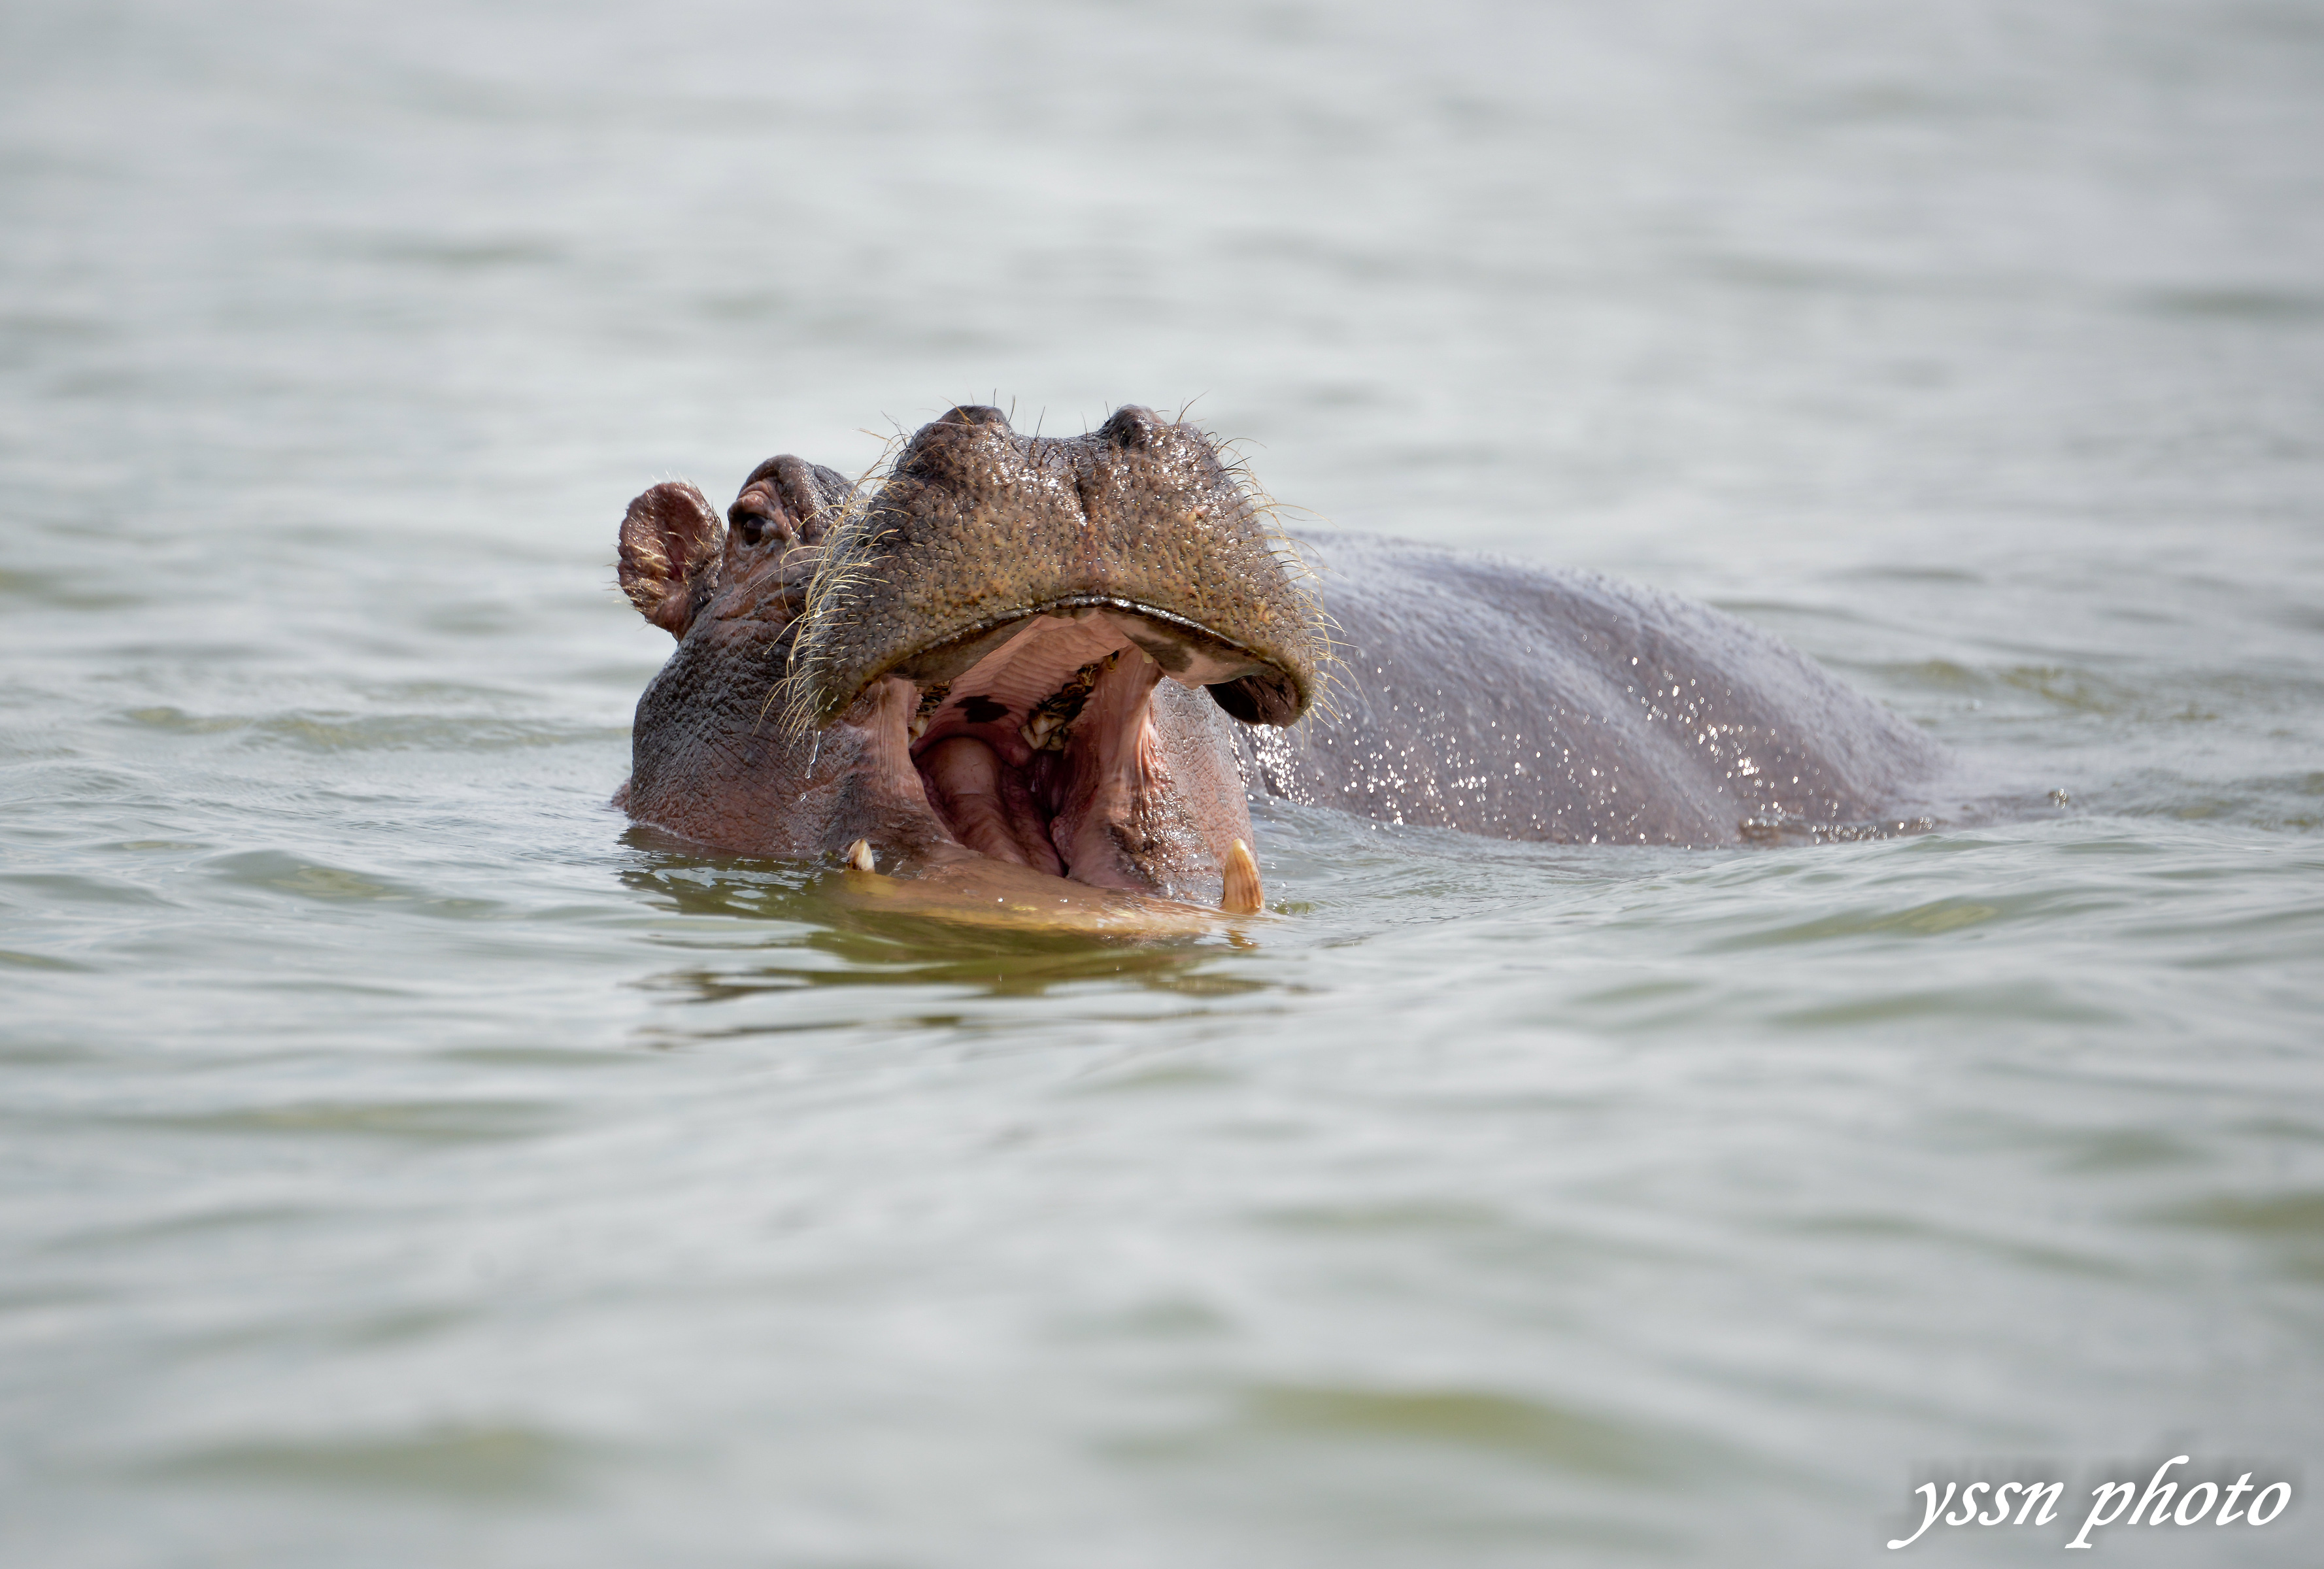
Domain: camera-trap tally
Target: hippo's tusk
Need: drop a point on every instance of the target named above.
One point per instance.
(860, 857)
(1240, 894)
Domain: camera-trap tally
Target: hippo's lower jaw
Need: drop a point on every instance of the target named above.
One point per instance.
(1033, 740)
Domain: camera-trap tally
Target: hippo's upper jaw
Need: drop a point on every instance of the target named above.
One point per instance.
(978, 528)
(971, 660)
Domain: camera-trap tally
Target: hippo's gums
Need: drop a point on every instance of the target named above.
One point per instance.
(1074, 657)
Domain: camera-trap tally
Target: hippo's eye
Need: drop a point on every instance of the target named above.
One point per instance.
(750, 525)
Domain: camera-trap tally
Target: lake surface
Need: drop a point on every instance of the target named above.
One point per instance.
(404, 1162)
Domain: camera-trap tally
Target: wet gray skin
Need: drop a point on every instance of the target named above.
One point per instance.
(1080, 656)
(1523, 702)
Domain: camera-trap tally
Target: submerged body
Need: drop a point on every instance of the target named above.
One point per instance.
(1074, 659)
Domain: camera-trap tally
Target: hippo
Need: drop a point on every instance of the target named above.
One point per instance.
(1074, 661)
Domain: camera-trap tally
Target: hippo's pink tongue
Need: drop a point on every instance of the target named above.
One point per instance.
(986, 805)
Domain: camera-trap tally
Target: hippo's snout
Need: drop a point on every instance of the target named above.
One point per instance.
(1138, 530)
(1000, 623)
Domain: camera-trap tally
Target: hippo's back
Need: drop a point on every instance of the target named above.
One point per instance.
(1501, 698)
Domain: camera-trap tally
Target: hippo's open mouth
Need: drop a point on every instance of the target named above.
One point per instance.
(1033, 734)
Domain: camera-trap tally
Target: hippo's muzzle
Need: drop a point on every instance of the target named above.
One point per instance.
(1003, 612)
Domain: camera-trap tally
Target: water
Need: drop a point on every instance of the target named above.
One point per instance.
(405, 1162)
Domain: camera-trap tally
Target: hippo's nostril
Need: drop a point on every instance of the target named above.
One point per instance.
(975, 414)
(1131, 427)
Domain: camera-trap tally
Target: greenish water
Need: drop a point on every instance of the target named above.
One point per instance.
(403, 1161)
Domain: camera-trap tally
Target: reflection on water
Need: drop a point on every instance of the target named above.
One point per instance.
(805, 931)
(504, 1463)
(407, 1161)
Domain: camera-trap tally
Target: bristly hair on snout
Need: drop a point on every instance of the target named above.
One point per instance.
(970, 527)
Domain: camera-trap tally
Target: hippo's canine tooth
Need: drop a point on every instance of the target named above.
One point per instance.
(1239, 894)
(861, 858)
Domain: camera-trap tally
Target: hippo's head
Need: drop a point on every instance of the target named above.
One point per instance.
(970, 659)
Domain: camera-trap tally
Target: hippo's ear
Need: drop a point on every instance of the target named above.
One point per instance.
(669, 555)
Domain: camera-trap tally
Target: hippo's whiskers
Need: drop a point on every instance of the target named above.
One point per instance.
(1305, 578)
(847, 570)
(844, 571)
